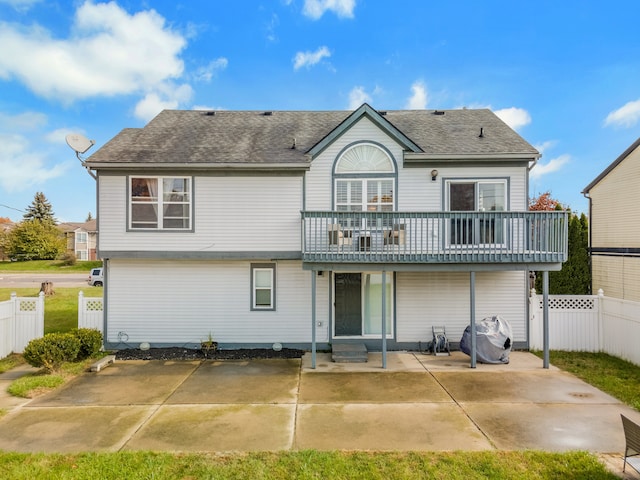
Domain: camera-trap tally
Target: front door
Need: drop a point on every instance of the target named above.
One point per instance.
(348, 306)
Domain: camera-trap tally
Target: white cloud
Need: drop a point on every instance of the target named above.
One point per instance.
(22, 167)
(418, 99)
(551, 166)
(316, 8)
(20, 5)
(626, 116)
(164, 97)
(542, 147)
(110, 52)
(514, 117)
(22, 121)
(206, 73)
(358, 96)
(308, 59)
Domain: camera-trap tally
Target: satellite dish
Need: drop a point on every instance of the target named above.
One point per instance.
(78, 142)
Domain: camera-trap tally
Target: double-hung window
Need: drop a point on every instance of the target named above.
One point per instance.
(263, 281)
(160, 203)
(484, 196)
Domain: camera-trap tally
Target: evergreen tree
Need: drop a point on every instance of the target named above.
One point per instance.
(575, 276)
(40, 210)
(89, 217)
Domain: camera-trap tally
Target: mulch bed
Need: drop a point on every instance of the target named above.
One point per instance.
(181, 353)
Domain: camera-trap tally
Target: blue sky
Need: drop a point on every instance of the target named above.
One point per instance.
(565, 74)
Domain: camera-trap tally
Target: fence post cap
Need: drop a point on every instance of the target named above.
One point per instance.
(81, 294)
(600, 292)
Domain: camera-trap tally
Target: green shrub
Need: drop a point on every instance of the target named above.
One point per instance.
(68, 259)
(52, 350)
(90, 342)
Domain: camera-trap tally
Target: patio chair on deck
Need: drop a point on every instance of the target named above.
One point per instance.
(337, 236)
(395, 236)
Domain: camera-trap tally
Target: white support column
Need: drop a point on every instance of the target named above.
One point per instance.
(545, 318)
(472, 313)
(384, 319)
(313, 318)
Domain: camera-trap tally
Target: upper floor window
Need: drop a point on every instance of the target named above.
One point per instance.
(476, 196)
(81, 237)
(160, 203)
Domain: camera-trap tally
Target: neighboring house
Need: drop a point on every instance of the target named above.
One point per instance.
(311, 228)
(614, 227)
(82, 239)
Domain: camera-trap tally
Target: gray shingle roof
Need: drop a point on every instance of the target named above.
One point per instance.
(253, 137)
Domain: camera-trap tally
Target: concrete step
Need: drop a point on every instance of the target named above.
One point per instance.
(349, 353)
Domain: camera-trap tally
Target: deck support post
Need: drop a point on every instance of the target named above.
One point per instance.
(472, 314)
(384, 319)
(313, 318)
(545, 318)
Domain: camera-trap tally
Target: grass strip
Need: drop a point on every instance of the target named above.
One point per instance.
(52, 266)
(308, 464)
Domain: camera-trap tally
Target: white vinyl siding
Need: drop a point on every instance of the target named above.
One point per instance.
(231, 214)
(617, 275)
(319, 178)
(182, 302)
(425, 299)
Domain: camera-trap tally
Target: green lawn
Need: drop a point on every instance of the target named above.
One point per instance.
(306, 465)
(54, 266)
(61, 309)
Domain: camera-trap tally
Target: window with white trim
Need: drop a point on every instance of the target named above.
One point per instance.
(364, 180)
(160, 203)
(81, 237)
(263, 286)
(478, 196)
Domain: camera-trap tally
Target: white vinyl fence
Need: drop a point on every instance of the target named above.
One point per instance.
(588, 323)
(90, 312)
(21, 320)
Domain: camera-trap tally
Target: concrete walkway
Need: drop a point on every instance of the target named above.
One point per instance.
(420, 402)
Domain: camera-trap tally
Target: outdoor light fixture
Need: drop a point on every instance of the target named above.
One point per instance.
(434, 174)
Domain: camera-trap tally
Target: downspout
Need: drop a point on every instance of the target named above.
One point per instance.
(590, 200)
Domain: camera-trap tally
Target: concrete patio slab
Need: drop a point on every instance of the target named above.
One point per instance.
(537, 386)
(396, 427)
(71, 429)
(396, 362)
(370, 387)
(217, 428)
(550, 427)
(231, 381)
(123, 383)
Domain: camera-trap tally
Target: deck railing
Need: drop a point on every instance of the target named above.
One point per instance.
(434, 237)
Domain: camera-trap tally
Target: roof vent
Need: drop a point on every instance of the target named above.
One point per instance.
(438, 112)
(481, 132)
(267, 114)
(382, 112)
(210, 113)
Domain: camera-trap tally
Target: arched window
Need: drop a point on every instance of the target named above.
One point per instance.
(365, 179)
(364, 158)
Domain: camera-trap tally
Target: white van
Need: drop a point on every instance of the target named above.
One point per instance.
(95, 278)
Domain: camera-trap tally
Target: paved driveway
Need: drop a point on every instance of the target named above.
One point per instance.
(419, 402)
